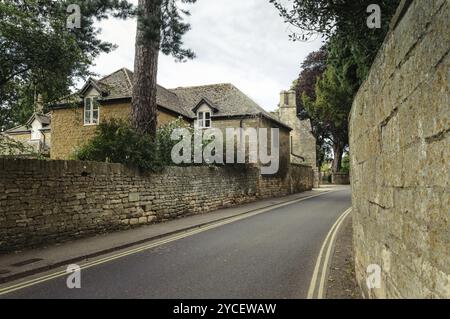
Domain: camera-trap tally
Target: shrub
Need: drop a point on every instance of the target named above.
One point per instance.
(345, 166)
(117, 142)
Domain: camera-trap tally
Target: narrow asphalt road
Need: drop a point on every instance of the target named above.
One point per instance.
(270, 255)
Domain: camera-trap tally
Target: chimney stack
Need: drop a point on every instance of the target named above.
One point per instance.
(287, 99)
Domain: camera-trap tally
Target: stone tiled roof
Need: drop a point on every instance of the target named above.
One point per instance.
(45, 119)
(120, 85)
(117, 84)
(18, 129)
(227, 99)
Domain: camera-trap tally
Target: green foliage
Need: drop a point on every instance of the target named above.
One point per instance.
(13, 148)
(117, 142)
(18, 105)
(350, 51)
(167, 28)
(345, 167)
(346, 19)
(39, 55)
(331, 107)
(334, 98)
(313, 67)
(160, 28)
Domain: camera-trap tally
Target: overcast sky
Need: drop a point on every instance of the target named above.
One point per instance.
(243, 42)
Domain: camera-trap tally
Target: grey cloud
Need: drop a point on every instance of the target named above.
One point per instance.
(242, 42)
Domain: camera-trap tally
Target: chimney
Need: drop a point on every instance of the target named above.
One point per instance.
(39, 107)
(287, 99)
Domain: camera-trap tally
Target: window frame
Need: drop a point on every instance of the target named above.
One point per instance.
(93, 107)
(202, 117)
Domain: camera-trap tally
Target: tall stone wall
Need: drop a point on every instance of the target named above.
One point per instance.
(43, 202)
(400, 151)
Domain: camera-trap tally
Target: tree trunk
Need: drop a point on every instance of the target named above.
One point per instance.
(144, 108)
(338, 151)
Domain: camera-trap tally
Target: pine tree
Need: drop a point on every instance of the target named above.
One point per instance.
(160, 28)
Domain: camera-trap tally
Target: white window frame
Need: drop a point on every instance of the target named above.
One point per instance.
(36, 134)
(89, 108)
(202, 118)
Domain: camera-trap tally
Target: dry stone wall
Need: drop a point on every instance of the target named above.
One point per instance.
(400, 151)
(44, 202)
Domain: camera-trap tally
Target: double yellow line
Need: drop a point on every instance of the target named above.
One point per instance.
(61, 273)
(317, 286)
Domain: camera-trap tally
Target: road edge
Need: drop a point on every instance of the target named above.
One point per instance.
(317, 287)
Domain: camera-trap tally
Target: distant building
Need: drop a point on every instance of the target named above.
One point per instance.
(35, 133)
(302, 141)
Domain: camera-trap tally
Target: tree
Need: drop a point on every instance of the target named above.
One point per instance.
(312, 68)
(331, 107)
(346, 18)
(351, 48)
(39, 54)
(160, 28)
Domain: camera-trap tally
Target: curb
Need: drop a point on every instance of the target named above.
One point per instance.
(317, 287)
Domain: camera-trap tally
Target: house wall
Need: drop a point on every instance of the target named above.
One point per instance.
(69, 132)
(303, 141)
(20, 137)
(26, 139)
(48, 138)
(44, 202)
(400, 151)
(259, 122)
(35, 130)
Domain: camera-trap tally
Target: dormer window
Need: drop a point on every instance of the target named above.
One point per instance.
(204, 119)
(204, 110)
(91, 111)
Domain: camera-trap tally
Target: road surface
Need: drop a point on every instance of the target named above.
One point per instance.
(269, 255)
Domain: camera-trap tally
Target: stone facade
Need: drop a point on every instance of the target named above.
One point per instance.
(69, 131)
(44, 202)
(400, 151)
(302, 141)
(340, 179)
(257, 122)
(22, 137)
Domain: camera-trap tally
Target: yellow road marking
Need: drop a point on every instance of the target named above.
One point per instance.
(331, 234)
(327, 256)
(103, 260)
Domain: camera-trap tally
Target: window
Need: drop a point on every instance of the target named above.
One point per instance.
(91, 111)
(36, 130)
(204, 119)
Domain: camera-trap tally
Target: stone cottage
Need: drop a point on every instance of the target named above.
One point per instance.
(209, 106)
(36, 132)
